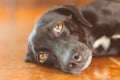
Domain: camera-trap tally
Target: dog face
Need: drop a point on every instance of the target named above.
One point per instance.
(59, 40)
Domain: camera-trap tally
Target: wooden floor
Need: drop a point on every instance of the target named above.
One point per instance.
(15, 26)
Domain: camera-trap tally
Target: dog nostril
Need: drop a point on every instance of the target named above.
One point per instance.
(71, 65)
(77, 57)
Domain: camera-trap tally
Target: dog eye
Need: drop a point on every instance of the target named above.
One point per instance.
(43, 57)
(58, 27)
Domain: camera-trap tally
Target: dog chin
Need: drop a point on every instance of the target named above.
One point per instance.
(74, 71)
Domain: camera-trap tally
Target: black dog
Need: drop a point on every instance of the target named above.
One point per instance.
(65, 36)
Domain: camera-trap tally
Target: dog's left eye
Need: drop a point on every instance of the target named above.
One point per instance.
(42, 57)
(58, 27)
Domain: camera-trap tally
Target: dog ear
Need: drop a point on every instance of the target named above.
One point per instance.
(72, 12)
(29, 56)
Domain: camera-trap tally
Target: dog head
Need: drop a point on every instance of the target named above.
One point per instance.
(59, 40)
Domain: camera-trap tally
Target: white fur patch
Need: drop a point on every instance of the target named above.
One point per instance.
(116, 36)
(103, 41)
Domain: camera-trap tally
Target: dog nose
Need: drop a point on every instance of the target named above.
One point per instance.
(74, 62)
